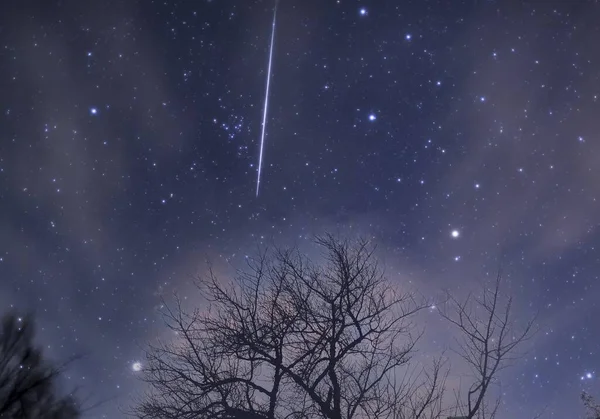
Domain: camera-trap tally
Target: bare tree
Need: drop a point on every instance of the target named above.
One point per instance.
(488, 342)
(290, 338)
(28, 383)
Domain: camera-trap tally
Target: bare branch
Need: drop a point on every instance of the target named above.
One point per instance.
(488, 343)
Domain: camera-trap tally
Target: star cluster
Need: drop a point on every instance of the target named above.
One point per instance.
(460, 136)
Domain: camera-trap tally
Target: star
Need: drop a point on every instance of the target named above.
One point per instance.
(455, 234)
(372, 117)
(408, 37)
(363, 12)
(136, 366)
(94, 111)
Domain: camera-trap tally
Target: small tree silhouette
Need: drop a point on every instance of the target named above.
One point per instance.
(592, 408)
(488, 341)
(28, 383)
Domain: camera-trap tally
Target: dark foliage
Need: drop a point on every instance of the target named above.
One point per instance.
(28, 383)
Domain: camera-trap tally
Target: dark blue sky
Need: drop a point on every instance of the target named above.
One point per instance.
(129, 139)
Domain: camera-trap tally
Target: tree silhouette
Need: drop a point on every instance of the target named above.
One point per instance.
(488, 341)
(28, 383)
(291, 338)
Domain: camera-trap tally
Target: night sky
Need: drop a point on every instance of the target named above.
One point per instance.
(459, 135)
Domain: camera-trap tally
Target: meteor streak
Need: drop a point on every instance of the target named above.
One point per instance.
(266, 107)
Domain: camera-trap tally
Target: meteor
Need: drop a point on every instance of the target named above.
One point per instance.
(266, 106)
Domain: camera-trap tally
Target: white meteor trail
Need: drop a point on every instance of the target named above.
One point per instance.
(266, 107)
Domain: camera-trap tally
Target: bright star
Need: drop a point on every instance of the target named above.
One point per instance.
(408, 37)
(136, 366)
(455, 234)
(372, 117)
(94, 111)
(363, 12)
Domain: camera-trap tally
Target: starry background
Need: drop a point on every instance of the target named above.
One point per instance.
(129, 138)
